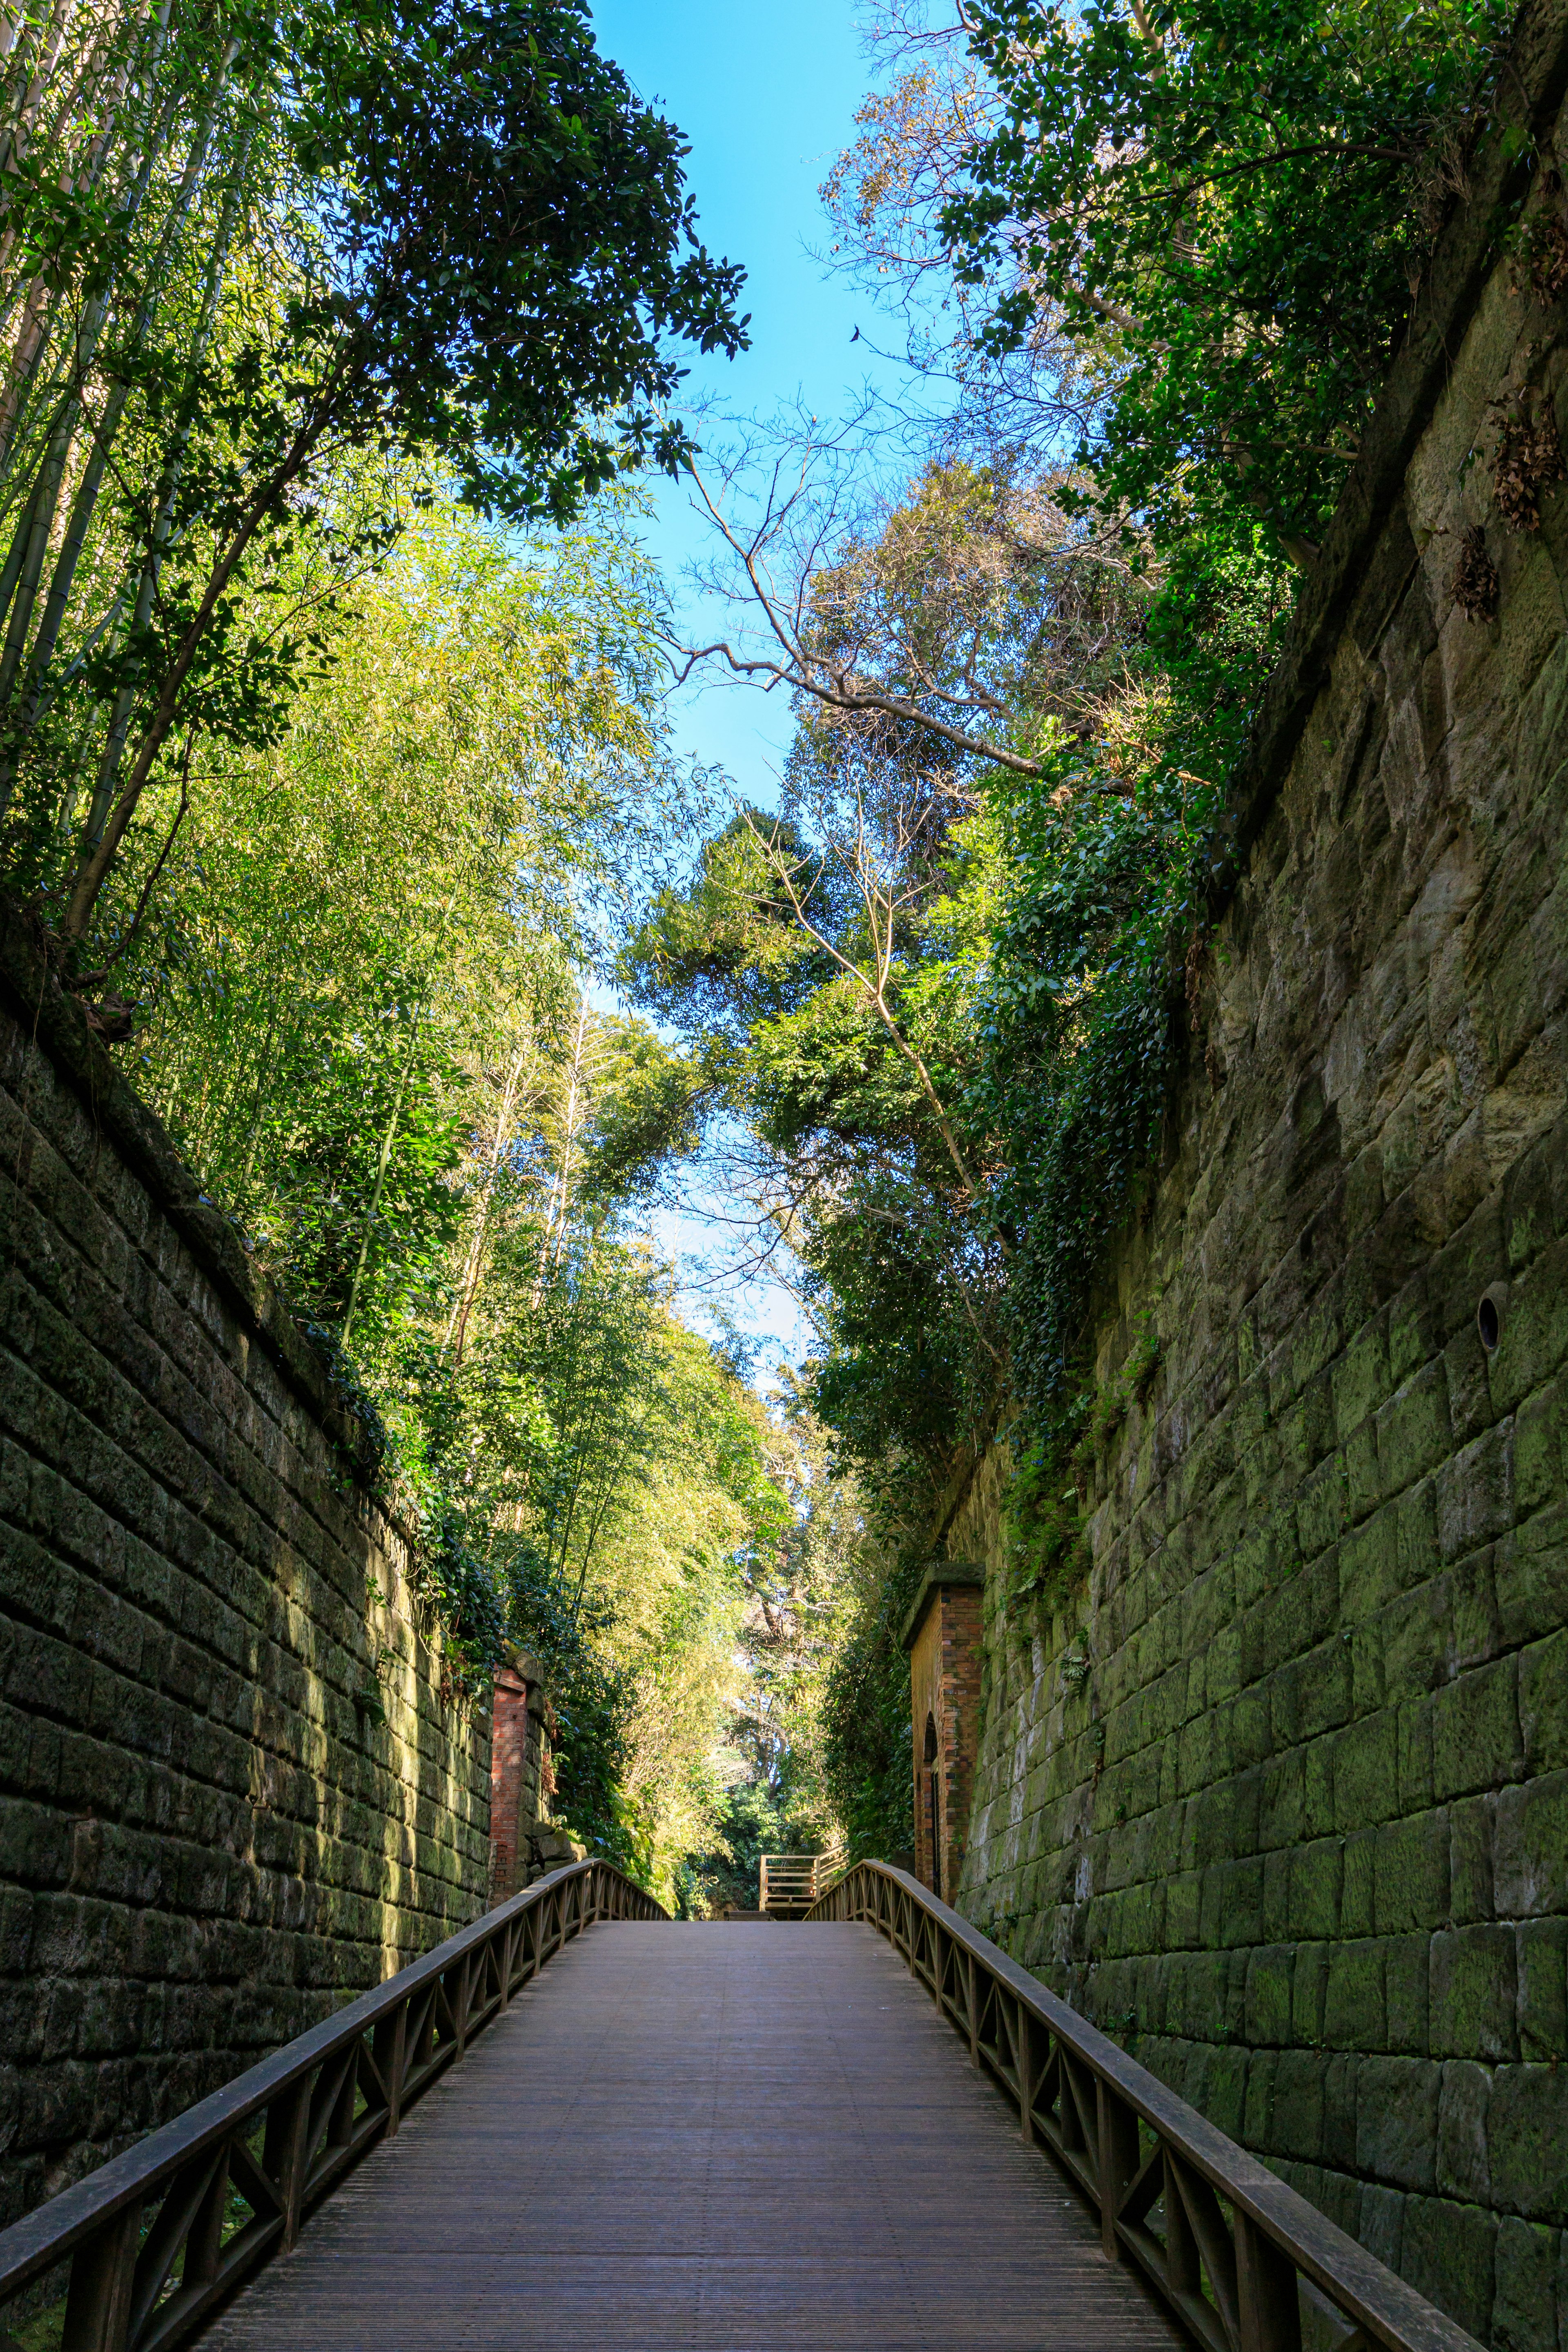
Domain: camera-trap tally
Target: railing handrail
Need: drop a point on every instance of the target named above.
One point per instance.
(1377, 2301)
(92, 2207)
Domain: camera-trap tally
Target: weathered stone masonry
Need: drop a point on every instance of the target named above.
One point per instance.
(1299, 1836)
(231, 1788)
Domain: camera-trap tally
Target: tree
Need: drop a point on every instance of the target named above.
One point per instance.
(1239, 201)
(481, 250)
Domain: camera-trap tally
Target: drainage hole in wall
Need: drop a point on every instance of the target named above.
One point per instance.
(1492, 1313)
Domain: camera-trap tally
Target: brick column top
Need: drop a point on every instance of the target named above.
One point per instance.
(938, 1575)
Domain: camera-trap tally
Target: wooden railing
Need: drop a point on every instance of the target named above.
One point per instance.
(156, 2237)
(1244, 2264)
(793, 1882)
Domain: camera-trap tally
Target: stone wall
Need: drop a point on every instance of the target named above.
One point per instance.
(1299, 1835)
(234, 1786)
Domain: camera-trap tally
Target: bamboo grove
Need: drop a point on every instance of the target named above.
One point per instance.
(332, 751)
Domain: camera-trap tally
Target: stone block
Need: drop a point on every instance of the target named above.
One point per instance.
(1411, 1872)
(1354, 2017)
(1539, 1432)
(1396, 2114)
(1406, 1970)
(1270, 1972)
(1542, 1966)
(1357, 1913)
(1530, 1578)
(1528, 2146)
(1366, 1771)
(1448, 2253)
(1341, 2091)
(1525, 2308)
(1530, 1849)
(1413, 1432)
(1295, 2125)
(1473, 1994)
(1307, 1991)
(1414, 1721)
(1256, 2129)
(1463, 2165)
(1317, 1875)
(1379, 2222)
(1472, 1838)
(1543, 1704)
(1476, 1737)
(1419, 1549)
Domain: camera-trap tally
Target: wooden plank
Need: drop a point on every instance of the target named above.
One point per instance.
(629, 2156)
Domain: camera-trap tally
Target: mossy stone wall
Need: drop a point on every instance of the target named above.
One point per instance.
(1299, 1838)
(234, 1788)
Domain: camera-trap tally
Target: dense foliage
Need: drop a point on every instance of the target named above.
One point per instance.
(1240, 200)
(330, 743)
(256, 270)
(1164, 256)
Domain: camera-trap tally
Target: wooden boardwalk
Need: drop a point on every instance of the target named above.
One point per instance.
(743, 2135)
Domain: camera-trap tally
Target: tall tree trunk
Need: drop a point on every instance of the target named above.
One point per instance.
(97, 855)
(560, 1192)
(103, 439)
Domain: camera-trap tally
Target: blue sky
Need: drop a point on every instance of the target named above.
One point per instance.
(766, 101)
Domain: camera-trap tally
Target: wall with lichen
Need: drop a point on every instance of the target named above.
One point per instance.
(1298, 1835)
(235, 1786)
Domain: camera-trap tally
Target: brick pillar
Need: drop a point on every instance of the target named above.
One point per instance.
(508, 1754)
(942, 1637)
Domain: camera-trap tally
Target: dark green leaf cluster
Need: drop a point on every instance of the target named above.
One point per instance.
(514, 249)
(1237, 199)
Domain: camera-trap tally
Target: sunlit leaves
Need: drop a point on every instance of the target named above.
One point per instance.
(1245, 196)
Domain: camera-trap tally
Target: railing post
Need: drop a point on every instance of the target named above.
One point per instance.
(341, 2123)
(1026, 2076)
(1268, 2302)
(460, 2005)
(205, 2243)
(284, 2152)
(98, 2304)
(973, 2007)
(1117, 2136)
(1183, 2273)
(391, 2046)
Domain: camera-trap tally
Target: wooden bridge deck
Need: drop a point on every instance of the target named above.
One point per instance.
(740, 2135)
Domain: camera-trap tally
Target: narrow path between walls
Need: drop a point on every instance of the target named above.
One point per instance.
(706, 2135)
